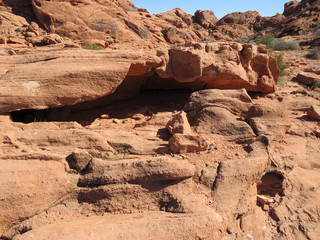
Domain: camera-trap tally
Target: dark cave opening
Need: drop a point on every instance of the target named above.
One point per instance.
(271, 184)
(147, 102)
(270, 191)
(147, 93)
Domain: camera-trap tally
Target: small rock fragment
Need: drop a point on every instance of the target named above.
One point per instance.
(265, 208)
(138, 116)
(104, 116)
(81, 159)
(116, 121)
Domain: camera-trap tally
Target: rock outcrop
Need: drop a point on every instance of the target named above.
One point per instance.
(164, 133)
(115, 23)
(301, 17)
(32, 82)
(218, 112)
(121, 24)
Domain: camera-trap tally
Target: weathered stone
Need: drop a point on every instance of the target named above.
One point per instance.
(81, 159)
(184, 143)
(16, 40)
(102, 172)
(3, 40)
(29, 187)
(179, 124)
(308, 78)
(224, 66)
(52, 39)
(218, 112)
(206, 19)
(314, 112)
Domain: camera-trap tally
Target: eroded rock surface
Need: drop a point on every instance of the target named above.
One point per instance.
(194, 141)
(33, 81)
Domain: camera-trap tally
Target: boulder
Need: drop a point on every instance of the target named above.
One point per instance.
(185, 143)
(219, 111)
(177, 17)
(52, 39)
(206, 19)
(220, 121)
(80, 159)
(237, 25)
(236, 101)
(179, 124)
(270, 110)
(83, 75)
(222, 65)
(248, 17)
(269, 119)
(314, 112)
(308, 78)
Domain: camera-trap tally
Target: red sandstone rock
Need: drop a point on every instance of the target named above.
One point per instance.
(185, 143)
(41, 198)
(218, 111)
(80, 159)
(179, 124)
(314, 112)
(88, 77)
(308, 78)
(28, 187)
(135, 171)
(206, 19)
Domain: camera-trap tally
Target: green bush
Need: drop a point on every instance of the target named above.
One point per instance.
(92, 47)
(317, 32)
(266, 40)
(280, 45)
(314, 54)
(281, 81)
(281, 64)
(315, 85)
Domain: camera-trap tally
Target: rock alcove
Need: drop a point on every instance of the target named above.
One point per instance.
(270, 189)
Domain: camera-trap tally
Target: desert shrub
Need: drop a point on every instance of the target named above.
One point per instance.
(266, 40)
(281, 64)
(281, 81)
(314, 54)
(280, 45)
(317, 32)
(315, 85)
(92, 47)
